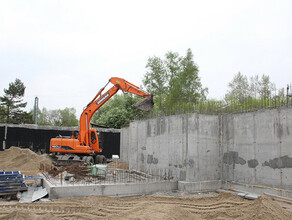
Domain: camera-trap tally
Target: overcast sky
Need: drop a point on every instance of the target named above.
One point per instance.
(65, 51)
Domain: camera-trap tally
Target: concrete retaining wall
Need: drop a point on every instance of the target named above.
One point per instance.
(250, 148)
(186, 144)
(257, 148)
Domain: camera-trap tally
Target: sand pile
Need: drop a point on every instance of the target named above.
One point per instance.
(25, 160)
(222, 206)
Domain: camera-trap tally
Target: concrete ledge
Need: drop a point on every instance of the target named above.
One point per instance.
(39, 127)
(58, 128)
(135, 189)
(115, 190)
(202, 186)
(257, 189)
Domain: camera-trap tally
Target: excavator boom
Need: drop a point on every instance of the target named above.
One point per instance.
(100, 99)
(87, 142)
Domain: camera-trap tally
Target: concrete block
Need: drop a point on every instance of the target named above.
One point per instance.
(202, 186)
(256, 189)
(251, 196)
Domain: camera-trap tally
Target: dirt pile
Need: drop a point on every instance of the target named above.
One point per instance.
(80, 172)
(117, 164)
(222, 206)
(25, 160)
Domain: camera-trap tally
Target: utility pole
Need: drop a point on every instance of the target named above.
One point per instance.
(35, 110)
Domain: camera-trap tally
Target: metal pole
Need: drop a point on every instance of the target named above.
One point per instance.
(287, 94)
(35, 112)
(5, 137)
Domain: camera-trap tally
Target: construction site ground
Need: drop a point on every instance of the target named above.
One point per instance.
(221, 206)
(160, 205)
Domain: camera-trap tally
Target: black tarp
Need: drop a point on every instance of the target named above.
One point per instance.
(38, 140)
(110, 143)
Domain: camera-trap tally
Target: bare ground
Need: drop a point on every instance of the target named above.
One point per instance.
(221, 206)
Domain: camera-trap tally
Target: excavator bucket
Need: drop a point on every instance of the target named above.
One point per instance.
(145, 104)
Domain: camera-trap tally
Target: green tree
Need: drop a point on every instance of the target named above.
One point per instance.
(266, 87)
(261, 87)
(239, 89)
(257, 92)
(49, 117)
(55, 117)
(190, 86)
(12, 103)
(68, 117)
(2, 114)
(181, 83)
(43, 117)
(254, 84)
(27, 117)
(156, 78)
(58, 117)
(118, 111)
(173, 67)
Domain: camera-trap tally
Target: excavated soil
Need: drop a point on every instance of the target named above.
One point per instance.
(24, 160)
(117, 164)
(221, 206)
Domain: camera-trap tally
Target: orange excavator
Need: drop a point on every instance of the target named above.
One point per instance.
(84, 144)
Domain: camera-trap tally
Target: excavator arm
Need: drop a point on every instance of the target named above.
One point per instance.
(100, 99)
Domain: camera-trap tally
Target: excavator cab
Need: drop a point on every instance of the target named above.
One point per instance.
(94, 141)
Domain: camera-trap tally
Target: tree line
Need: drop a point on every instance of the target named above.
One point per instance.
(12, 104)
(12, 109)
(175, 83)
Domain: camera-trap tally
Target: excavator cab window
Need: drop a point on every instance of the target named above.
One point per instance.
(93, 137)
(75, 134)
(99, 140)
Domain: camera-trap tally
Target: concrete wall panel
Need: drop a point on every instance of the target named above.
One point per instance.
(250, 148)
(258, 148)
(186, 144)
(124, 149)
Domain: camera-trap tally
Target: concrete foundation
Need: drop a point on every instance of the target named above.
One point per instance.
(114, 190)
